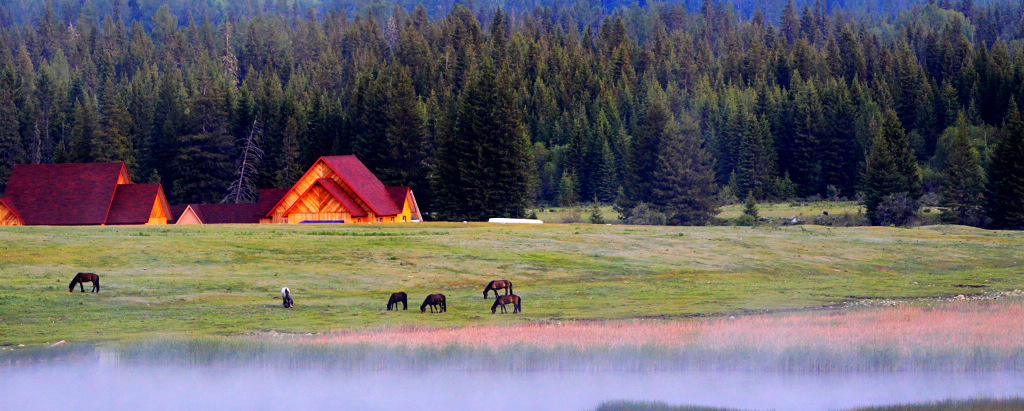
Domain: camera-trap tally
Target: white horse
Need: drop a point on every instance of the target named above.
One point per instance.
(286, 297)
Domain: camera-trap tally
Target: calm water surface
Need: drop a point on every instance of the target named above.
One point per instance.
(99, 386)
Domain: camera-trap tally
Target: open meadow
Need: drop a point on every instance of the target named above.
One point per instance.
(225, 280)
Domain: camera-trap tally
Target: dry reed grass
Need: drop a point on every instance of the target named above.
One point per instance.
(951, 325)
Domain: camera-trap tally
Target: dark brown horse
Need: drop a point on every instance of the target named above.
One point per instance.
(81, 278)
(396, 298)
(434, 300)
(497, 285)
(507, 299)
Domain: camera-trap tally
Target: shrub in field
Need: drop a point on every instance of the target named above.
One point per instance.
(643, 214)
(595, 215)
(896, 210)
(571, 216)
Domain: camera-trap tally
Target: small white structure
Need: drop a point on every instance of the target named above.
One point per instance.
(514, 221)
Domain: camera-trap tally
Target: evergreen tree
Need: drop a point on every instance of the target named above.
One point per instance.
(366, 122)
(204, 168)
(890, 170)
(963, 184)
(756, 173)
(203, 160)
(288, 168)
(84, 129)
(405, 133)
(1006, 175)
(10, 141)
(112, 143)
(684, 186)
(482, 167)
(638, 184)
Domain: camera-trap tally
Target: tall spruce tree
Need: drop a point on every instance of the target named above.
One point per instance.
(756, 172)
(638, 182)
(684, 186)
(1006, 175)
(84, 129)
(112, 142)
(963, 185)
(891, 171)
(203, 159)
(482, 167)
(10, 141)
(405, 132)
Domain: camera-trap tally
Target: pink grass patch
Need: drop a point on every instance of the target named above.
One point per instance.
(955, 326)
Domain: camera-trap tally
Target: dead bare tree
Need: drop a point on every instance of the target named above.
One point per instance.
(244, 187)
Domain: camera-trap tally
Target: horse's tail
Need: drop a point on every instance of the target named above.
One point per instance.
(510, 288)
(444, 304)
(519, 303)
(97, 283)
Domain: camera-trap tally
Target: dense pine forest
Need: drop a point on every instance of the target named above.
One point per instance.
(665, 109)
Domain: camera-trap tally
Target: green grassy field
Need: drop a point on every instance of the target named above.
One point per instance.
(225, 280)
(802, 210)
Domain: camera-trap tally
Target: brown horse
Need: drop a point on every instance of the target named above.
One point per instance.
(497, 285)
(399, 297)
(507, 299)
(81, 278)
(434, 300)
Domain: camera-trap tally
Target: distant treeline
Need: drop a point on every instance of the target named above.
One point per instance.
(669, 107)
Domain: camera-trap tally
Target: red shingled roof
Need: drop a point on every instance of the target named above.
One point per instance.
(243, 213)
(398, 195)
(268, 199)
(364, 183)
(62, 194)
(133, 203)
(176, 211)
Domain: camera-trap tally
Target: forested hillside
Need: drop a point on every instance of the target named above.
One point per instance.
(484, 110)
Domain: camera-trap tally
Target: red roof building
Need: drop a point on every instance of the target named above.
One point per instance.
(242, 213)
(340, 189)
(80, 194)
(7, 216)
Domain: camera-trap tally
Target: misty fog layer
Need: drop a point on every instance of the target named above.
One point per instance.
(99, 386)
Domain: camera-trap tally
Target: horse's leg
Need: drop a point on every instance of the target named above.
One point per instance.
(81, 284)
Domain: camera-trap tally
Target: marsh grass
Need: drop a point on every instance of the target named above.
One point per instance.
(981, 404)
(977, 404)
(225, 280)
(968, 336)
(624, 405)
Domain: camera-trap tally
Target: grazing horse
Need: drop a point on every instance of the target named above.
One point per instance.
(507, 299)
(497, 285)
(286, 297)
(434, 300)
(396, 298)
(81, 278)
